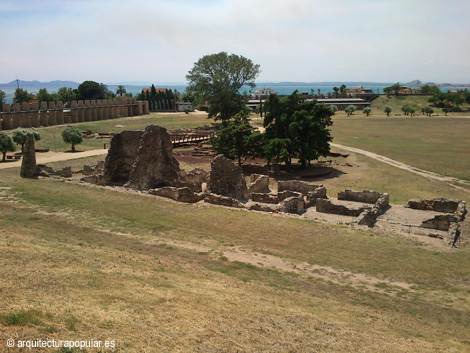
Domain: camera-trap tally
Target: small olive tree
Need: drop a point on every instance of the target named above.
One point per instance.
(367, 110)
(350, 109)
(6, 144)
(388, 110)
(72, 136)
(19, 136)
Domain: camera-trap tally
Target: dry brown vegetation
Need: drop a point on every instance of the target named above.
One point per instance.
(82, 262)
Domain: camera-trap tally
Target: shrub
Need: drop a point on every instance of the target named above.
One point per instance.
(72, 136)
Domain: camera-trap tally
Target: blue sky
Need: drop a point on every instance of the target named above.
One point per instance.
(292, 40)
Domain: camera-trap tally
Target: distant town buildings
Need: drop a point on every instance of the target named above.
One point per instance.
(262, 93)
(414, 83)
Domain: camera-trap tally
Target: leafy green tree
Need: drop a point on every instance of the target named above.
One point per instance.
(433, 90)
(388, 110)
(388, 90)
(90, 90)
(342, 93)
(396, 87)
(72, 136)
(428, 111)
(237, 139)
(333, 109)
(19, 136)
(218, 78)
(350, 109)
(66, 94)
(6, 144)
(296, 128)
(445, 110)
(121, 90)
(2, 99)
(22, 95)
(367, 110)
(44, 96)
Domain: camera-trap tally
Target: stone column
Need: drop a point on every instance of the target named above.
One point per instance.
(67, 115)
(59, 114)
(74, 112)
(28, 163)
(35, 115)
(80, 113)
(140, 108)
(6, 117)
(114, 110)
(16, 116)
(129, 106)
(52, 119)
(146, 107)
(99, 104)
(93, 110)
(86, 110)
(25, 115)
(43, 115)
(125, 103)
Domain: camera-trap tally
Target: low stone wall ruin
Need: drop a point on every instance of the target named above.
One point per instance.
(365, 215)
(29, 115)
(457, 207)
(328, 206)
(365, 196)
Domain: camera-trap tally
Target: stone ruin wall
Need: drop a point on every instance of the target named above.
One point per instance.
(29, 115)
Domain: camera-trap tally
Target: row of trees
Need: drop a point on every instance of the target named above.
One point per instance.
(86, 90)
(161, 100)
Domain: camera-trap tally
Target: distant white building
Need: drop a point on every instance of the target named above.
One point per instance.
(262, 93)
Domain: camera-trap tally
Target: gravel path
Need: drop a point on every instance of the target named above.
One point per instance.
(49, 157)
(409, 168)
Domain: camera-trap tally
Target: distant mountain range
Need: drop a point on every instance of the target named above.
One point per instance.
(38, 84)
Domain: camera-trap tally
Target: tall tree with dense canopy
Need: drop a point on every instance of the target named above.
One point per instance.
(296, 128)
(6, 144)
(22, 95)
(388, 110)
(90, 90)
(66, 94)
(2, 99)
(238, 139)
(218, 78)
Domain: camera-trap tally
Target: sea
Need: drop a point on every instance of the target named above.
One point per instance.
(280, 88)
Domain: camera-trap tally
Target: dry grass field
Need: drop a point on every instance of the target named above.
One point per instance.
(153, 275)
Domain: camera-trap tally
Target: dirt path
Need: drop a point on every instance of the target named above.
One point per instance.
(49, 157)
(409, 168)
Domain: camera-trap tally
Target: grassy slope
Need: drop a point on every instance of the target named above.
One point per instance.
(65, 266)
(82, 262)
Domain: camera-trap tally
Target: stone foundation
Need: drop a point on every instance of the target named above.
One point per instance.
(296, 185)
(184, 194)
(223, 201)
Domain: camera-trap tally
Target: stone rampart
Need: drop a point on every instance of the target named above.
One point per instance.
(57, 113)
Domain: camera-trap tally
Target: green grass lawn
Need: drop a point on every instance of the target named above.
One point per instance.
(418, 102)
(440, 145)
(51, 137)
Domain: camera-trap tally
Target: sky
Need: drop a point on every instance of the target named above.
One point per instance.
(292, 40)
